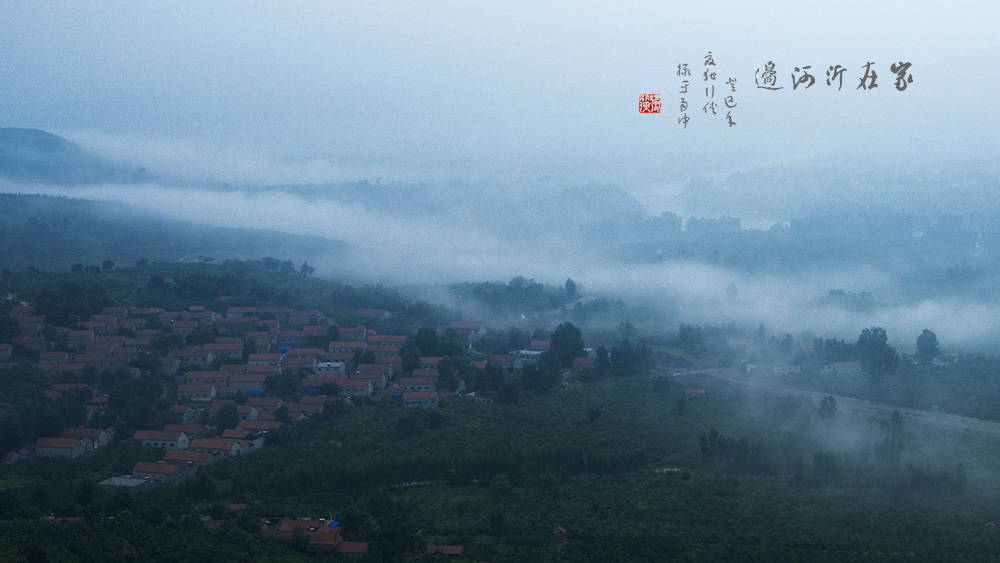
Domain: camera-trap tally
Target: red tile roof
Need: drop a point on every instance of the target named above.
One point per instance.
(157, 468)
(386, 339)
(185, 456)
(212, 444)
(455, 550)
(353, 548)
(156, 435)
(419, 395)
(64, 443)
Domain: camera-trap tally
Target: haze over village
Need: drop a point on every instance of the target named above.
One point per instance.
(522, 282)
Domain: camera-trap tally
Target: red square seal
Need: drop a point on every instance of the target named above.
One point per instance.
(649, 103)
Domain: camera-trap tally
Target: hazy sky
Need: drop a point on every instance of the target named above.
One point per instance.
(327, 91)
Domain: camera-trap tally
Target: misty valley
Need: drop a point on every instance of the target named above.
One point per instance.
(496, 371)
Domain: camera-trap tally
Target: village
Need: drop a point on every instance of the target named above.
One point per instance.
(228, 377)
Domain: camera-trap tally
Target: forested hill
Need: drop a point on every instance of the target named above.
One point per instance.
(32, 156)
(53, 233)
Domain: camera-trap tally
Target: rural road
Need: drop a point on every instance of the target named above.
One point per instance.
(857, 405)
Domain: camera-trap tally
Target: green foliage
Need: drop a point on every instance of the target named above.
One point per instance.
(627, 361)
(71, 301)
(542, 375)
(571, 288)
(927, 347)
(516, 297)
(137, 404)
(9, 328)
(285, 385)
(447, 374)
(691, 336)
(877, 357)
(567, 343)
(26, 414)
(491, 379)
(603, 361)
(227, 417)
(501, 341)
(432, 343)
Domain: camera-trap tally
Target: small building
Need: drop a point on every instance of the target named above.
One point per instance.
(303, 317)
(159, 472)
(449, 550)
(381, 314)
(417, 384)
(330, 368)
(241, 312)
(248, 382)
(509, 362)
(473, 329)
(347, 347)
(259, 425)
(188, 457)
(202, 392)
(192, 355)
(162, 439)
(257, 359)
(847, 367)
(217, 378)
(126, 483)
(98, 437)
(426, 399)
(228, 350)
(387, 349)
(186, 414)
(60, 447)
(356, 387)
(216, 446)
(353, 549)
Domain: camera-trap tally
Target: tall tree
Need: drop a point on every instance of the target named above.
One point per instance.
(627, 360)
(567, 343)
(602, 363)
(571, 287)
(877, 357)
(542, 375)
(927, 347)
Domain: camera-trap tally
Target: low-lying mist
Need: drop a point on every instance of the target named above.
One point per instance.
(420, 246)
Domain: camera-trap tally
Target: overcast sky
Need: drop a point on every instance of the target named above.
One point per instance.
(411, 91)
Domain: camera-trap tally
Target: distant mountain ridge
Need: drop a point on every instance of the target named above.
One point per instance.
(53, 233)
(33, 156)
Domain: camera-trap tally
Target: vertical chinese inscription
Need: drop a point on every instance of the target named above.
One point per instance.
(709, 80)
(683, 71)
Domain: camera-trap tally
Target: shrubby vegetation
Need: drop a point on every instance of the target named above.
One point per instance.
(631, 466)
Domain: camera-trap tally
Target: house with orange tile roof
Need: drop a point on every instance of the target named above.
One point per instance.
(159, 472)
(426, 399)
(162, 439)
(61, 447)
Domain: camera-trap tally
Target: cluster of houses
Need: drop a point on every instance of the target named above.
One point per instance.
(190, 446)
(253, 343)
